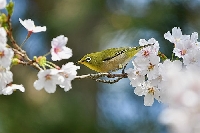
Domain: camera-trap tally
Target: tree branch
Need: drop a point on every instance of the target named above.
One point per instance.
(97, 77)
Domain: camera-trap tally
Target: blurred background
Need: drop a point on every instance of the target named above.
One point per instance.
(90, 25)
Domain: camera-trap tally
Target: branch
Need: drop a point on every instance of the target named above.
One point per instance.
(10, 35)
(35, 65)
(97, 77)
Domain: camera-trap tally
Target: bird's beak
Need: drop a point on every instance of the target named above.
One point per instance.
(78, 62)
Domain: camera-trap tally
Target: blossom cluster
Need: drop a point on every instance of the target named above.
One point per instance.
(6, 76)
(146, 66)
(50, 78)
(183, 89)
(173, 82)
(50, 75)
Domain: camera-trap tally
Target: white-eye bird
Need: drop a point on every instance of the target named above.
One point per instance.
(110, 59)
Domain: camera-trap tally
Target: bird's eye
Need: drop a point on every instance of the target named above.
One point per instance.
(88, 59)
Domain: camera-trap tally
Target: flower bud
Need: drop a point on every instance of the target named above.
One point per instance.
(10, 8)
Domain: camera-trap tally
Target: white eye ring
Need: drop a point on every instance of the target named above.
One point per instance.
(88, 59)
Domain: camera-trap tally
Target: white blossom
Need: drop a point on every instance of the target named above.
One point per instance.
(59, 51)
(169, 68)
(3, 4)
(152, 68)
(183, 96)
(6, 77)
(173, 82)
(10, 88)
(146, 52)
(48, 79)
(147, 59)
(194, 38)
(135, 76)
(179, 121)
(150, 93)
(6, 55)
(181, 48)
(192, 57)
(69, 73)
(3, 36)
(30, 26)
(146, 69)
(176, 35)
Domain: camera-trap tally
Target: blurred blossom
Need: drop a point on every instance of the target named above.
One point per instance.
(184, 93)
(3, 4)
(10, 88)
(3, 36)
(177, 119)
(181, 90)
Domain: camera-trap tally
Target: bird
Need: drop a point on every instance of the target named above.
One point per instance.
(111, 59)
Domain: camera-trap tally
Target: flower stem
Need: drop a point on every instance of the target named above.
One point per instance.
(27, 37)
(47, 54)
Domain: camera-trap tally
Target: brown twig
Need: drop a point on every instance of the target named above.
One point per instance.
(18, 50)
(35, 65)
(97, 77)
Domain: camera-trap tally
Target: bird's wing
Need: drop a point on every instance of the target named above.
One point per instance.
(113, 52)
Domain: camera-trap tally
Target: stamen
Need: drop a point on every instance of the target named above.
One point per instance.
(2, 54)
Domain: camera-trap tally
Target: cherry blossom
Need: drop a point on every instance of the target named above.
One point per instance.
(3, 36)
(30, 26)
(10, 88)
(6, 55)
(48, 79)
(59, 51)
(6, 77)
(3, 4)
(69, 73)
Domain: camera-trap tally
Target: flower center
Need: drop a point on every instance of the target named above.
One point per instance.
(150, 67)
(56, 50)
(48, 77)
(177, 39)
(151, 90)
(66, 75)
(2, 54)
(183, 52)
(137, 73)
(146, 53)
